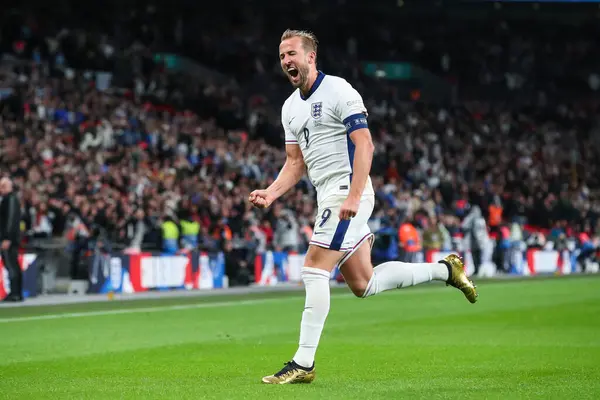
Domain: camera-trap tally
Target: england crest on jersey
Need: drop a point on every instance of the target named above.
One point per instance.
(316, 110)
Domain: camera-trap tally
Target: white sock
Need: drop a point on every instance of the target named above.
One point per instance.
(397, 275)
(316, 308)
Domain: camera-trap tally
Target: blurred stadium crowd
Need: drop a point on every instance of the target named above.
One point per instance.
(106, 142)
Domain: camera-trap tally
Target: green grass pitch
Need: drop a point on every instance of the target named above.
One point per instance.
(523, 339)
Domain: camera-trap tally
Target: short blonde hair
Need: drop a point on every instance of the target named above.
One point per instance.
(309, 40)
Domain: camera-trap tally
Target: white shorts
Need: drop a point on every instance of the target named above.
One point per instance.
(347, 235)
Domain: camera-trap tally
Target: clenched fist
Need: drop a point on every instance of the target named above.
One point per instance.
(261, 198)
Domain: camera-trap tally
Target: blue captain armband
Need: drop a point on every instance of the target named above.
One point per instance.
(354, 122)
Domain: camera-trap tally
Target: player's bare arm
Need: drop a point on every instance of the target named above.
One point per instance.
(290, 174)
(363, 157)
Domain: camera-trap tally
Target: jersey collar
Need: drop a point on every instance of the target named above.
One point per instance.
(315, 86)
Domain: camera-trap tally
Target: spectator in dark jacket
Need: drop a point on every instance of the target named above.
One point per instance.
(10, 219)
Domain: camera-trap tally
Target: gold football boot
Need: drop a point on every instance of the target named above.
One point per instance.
(458, 278)
(291, 373)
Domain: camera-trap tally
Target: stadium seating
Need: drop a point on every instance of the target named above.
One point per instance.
(107, 140)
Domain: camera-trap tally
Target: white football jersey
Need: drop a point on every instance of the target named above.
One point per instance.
(321, 124)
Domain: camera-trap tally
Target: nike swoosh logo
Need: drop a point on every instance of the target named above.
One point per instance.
(293, 118)
(319, 233)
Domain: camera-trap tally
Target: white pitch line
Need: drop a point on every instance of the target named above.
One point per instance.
(143, 310)
(178, 307)
(153, 309)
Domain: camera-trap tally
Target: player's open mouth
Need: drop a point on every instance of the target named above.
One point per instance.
(293, 72)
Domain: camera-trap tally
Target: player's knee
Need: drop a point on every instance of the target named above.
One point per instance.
(359, 288)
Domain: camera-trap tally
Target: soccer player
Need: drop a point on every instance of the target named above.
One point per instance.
(327, 134)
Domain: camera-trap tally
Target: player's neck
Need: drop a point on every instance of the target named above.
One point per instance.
(312, 78)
